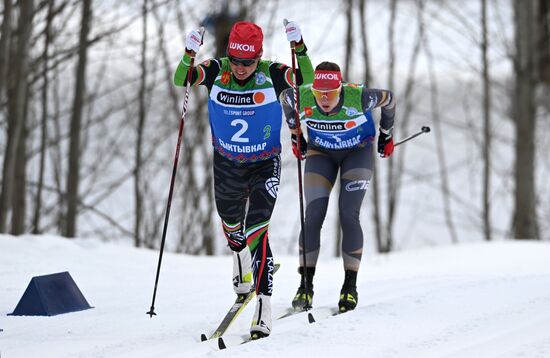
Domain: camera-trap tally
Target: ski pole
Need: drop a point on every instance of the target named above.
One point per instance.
(424, 129)
(151, 312)
(300, 181)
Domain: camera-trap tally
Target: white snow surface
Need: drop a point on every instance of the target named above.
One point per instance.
(470, 300)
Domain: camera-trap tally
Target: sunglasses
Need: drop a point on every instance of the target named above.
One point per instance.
(326, 95)
(242, 61)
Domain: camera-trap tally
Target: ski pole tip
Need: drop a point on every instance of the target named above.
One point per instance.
(151, 313)
(425, 129)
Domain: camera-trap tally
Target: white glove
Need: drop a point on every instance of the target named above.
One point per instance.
(193, 41)
(293, 32)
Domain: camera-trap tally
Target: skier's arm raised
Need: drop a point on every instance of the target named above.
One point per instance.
(203, 74)
(282, 74)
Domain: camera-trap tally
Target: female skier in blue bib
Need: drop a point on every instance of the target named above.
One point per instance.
(245, 120)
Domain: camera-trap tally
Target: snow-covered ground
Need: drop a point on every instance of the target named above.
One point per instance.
(473, 300)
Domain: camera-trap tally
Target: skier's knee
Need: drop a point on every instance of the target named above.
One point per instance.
(236, 241)
(349, 216)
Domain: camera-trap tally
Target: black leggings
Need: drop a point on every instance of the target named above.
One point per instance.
(255, 184)
(321, 170)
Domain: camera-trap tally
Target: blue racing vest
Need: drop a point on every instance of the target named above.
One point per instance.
(245, 121)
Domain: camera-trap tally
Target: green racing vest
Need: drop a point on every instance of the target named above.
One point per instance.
(349, 128)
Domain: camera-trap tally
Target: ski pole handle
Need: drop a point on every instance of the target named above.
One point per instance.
(292, 43)
(424, 129)
(201, 33)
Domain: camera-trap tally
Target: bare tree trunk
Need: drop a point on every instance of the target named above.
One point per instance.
(346, 74)
(391, 44)
(367, 80)
(139, 132)
(438, 134)
(544, 40)
(73, 175)
(398, 162)
(17, 94)
(486, 143)
(349, 38)
(56, 155)
(381, 243)
(392, 187)
(20, 175)
(44, 121)
(383, 238)
(364, 40)
(5, 38)
(525, 65)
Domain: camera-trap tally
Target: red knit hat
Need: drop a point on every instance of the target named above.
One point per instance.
(245, 40)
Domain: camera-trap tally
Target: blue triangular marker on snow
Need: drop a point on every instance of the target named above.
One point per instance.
(50, 295)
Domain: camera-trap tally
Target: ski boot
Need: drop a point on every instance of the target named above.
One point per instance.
(242, 271)
(348, 294)
(261, 322)
(304, 297)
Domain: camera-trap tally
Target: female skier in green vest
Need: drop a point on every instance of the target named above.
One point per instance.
(340, 132)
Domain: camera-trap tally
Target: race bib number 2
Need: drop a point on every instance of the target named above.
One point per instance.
(238, 136)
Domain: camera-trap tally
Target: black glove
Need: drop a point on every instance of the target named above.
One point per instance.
(300, 154)
(385, 142)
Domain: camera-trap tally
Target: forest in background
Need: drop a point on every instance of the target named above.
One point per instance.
(89, 116)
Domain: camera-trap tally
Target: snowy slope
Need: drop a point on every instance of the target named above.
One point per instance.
(475, 300)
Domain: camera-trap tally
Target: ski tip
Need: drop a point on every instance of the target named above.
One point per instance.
(221, 343)
(310, 318)
(203, 337)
